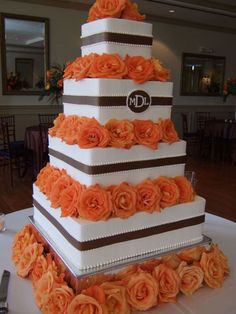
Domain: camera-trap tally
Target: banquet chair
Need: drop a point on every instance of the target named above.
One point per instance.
(190, 137)
(12, 153)
(46, 119)
(45, 122)
(201, 126)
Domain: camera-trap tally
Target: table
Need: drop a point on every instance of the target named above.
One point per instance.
(204, 301)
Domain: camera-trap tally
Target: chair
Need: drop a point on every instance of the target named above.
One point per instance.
(190, 137)
(12, 153)
(47, 119)
(45, 122)
(201, 120)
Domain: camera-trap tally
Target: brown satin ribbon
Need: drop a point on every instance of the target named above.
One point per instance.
(132, 235)
(122, 166)
(117, 38)
(111, 101)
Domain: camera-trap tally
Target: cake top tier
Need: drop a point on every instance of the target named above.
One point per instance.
(123, 9)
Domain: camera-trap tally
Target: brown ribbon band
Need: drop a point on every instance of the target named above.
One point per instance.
(111, 101)
(117, 38)
(122, 166)
(128, 236)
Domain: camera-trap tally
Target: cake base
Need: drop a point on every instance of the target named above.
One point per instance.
(71, 271)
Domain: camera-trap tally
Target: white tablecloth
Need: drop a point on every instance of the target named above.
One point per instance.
(204, 301)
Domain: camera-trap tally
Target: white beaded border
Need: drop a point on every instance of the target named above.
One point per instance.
(115, 43)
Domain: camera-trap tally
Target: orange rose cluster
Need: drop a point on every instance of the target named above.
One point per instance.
(136, 68)
(123, 9)
(100, 203)
(136, 287)
(89, 133)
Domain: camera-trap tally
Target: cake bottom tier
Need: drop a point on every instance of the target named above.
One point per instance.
(90, 244)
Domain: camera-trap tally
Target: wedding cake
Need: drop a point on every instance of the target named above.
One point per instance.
(115, 185)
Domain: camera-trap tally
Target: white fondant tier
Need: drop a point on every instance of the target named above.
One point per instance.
(121, 49)
(119, 26)
(110, 155)
(101, 87)
(104, 114)
(114, 156)
(83, 230)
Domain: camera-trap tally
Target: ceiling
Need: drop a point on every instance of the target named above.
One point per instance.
(217, 15)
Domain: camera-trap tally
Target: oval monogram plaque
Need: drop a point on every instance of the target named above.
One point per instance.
(138, 101)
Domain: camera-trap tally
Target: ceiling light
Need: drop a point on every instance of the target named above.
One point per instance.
(172, 11)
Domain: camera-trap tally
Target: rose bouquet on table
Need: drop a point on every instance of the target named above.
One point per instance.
(136, 287)
(229, 88)
(54, 84)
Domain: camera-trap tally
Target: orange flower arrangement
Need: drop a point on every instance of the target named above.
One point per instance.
(88, 132)
(139, 69)
(124, 9)
(138, 286)
(185, 189)
(169, 190)
(124, 200)
(136, 68)
(147, 133)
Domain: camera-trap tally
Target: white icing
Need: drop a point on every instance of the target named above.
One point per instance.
(119, 26)
(120, 48)
(110, 155)
(115, 87)
(119, 251)
(84, 230)
(103, 114)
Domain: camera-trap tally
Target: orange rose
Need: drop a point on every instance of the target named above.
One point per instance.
(131, 12)
(121, 133)
(45, 285)
(70, 198)
(148, 196)
(85, 305)
(22, 239)
(139, 69)
(160, 73)
(57, 124)
(115, 295)
(191, 278)
(169, 191)
(43, 176)
(149, 265)
(69, 70)
(92, 134)
(185, 189)
(42, 265)
(168, 130)
(82, 65)
(108, 66)
(127, 272)
(51, 180)
(106, 8)
(58, 300)
(169, 283)
(68, 130)
(60, 185)
(213, 269)
(172, 261)
(28, 259)
(192, 254)
(223, 259)
(142, 291)
(95, 203)
(124, 200)
(147, 133)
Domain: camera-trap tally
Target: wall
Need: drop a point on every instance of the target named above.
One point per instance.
(170, 41)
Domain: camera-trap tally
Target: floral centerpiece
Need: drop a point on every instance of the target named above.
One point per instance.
(54, 84)
(229, 87)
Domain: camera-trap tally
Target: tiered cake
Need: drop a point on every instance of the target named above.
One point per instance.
(86, 243)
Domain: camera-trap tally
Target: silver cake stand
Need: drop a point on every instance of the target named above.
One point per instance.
(114, 267)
